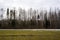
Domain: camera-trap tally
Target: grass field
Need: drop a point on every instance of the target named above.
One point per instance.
(29, 35)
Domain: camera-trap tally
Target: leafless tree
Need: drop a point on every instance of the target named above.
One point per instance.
(7, 13)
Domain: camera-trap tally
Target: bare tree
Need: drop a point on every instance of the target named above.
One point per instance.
(20, 13)
(14, 14)
(34, 15)
(30, 13)
(59, 14)
(24, 14)
(1, 13)
(7, 13)
(11, 14)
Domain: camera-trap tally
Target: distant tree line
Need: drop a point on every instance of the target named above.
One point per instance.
(30, 19)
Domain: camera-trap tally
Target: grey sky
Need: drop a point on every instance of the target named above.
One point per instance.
(29, 3)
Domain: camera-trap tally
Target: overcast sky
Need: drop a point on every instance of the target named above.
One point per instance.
(29, 3)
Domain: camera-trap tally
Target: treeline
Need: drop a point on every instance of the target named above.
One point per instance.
(30, 19)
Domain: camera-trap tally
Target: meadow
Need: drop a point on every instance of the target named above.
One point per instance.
(29, 34)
